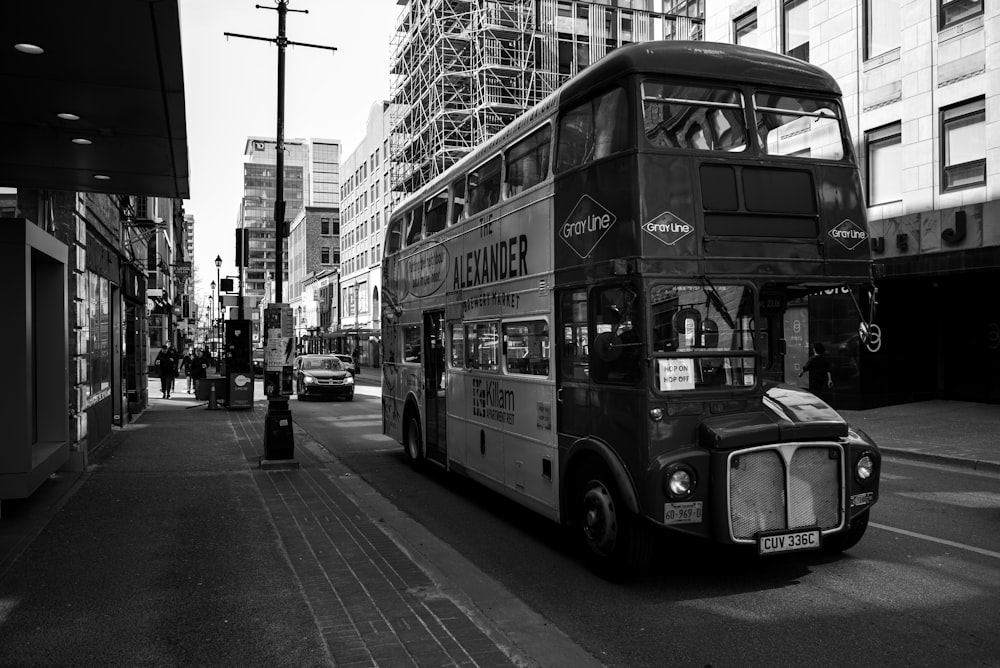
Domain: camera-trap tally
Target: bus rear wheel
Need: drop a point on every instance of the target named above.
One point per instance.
(617, 543)
(413, 441)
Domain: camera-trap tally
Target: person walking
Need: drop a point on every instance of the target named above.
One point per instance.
(818, 366)
(199, 367)
(186, 367)
(166, 366)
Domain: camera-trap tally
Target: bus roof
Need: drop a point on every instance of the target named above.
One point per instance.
(703, 60)
(709, 60)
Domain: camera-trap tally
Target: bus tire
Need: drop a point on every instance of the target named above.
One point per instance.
(845, 540)
(617, 543)
(413, 446)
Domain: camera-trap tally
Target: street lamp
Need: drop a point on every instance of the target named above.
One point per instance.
(218, 266)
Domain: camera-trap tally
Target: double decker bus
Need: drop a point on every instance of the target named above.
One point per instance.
(585, 313)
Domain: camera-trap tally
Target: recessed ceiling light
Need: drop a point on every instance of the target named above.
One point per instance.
(102, 177)
(68, 117)
(82, 141)
(30, 49)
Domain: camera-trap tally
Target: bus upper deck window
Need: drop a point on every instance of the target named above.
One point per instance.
(528, 161)
(394, 237)
(799, 127)
(484, 186)
(436, 215)
(693, 117)
(593, 130)
(457, 201)
(413, 228)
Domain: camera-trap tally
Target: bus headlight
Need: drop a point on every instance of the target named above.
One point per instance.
(865, 467)
(679, 481)
(655, 414)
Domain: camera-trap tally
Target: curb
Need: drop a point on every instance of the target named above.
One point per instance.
(980, 465)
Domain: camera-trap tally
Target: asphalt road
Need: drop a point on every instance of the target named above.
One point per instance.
(921, 589)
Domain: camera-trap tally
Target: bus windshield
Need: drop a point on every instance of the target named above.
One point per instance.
(703, 336)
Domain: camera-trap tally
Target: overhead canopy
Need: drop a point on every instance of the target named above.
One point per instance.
(116, 64)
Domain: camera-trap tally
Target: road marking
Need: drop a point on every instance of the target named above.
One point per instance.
(942, 541)
(981, 500)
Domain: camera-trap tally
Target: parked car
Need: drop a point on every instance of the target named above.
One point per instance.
(322, 375)
(349, 364)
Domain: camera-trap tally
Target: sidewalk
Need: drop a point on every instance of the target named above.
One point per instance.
(177, 548)
(957, 433)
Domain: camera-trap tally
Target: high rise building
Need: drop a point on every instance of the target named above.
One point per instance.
(311, 178)
(919, 89)
(464, 69)
(367, 199)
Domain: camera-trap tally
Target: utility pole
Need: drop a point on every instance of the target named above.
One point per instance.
(278, 440)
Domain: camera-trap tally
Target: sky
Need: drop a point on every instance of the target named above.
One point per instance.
(230, 87)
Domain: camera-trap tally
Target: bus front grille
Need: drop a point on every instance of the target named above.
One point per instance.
(784, 487)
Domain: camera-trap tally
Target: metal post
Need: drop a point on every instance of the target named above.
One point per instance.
(278, 441)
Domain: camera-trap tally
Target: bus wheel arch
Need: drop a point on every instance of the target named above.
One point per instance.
(616, 540)
(580, 454)
(413, 440)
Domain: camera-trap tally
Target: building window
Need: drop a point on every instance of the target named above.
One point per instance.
(956, 11)
(324, 255)
(963, 137)
(795, 37)
(882, 27)
(324, 226)
(885, 164)
(745, 29)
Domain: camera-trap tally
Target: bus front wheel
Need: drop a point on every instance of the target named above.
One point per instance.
(617, 543)
(413, 445)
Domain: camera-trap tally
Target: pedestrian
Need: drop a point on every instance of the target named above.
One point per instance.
(199, 367)
(186, 367)
(818, 366)
(166, 366)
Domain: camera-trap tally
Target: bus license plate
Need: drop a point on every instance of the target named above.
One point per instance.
(789, 541)
(682, 513)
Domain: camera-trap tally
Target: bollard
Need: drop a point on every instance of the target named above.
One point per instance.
(212, 403)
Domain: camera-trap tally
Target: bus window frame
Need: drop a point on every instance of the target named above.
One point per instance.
(626, 139)
(546, 345)
(434, 203)
(414, 229)
(394, 236)
(739, 106)
(509, 163)
(472, 327)
(452, 326)
(471, 191)
(456, 193)
(699, 353)
(756, 110)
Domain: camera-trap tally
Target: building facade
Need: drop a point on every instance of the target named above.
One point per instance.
(921, 83)
(368, 199)
(311, 179)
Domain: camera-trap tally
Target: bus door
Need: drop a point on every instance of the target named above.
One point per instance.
(572, 366)
(434, 391)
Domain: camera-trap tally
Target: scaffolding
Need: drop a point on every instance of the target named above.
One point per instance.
(464, 69)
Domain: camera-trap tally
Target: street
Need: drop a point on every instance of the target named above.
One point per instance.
(921, 589)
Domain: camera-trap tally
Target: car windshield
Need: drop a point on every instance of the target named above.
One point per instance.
(324, 363)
